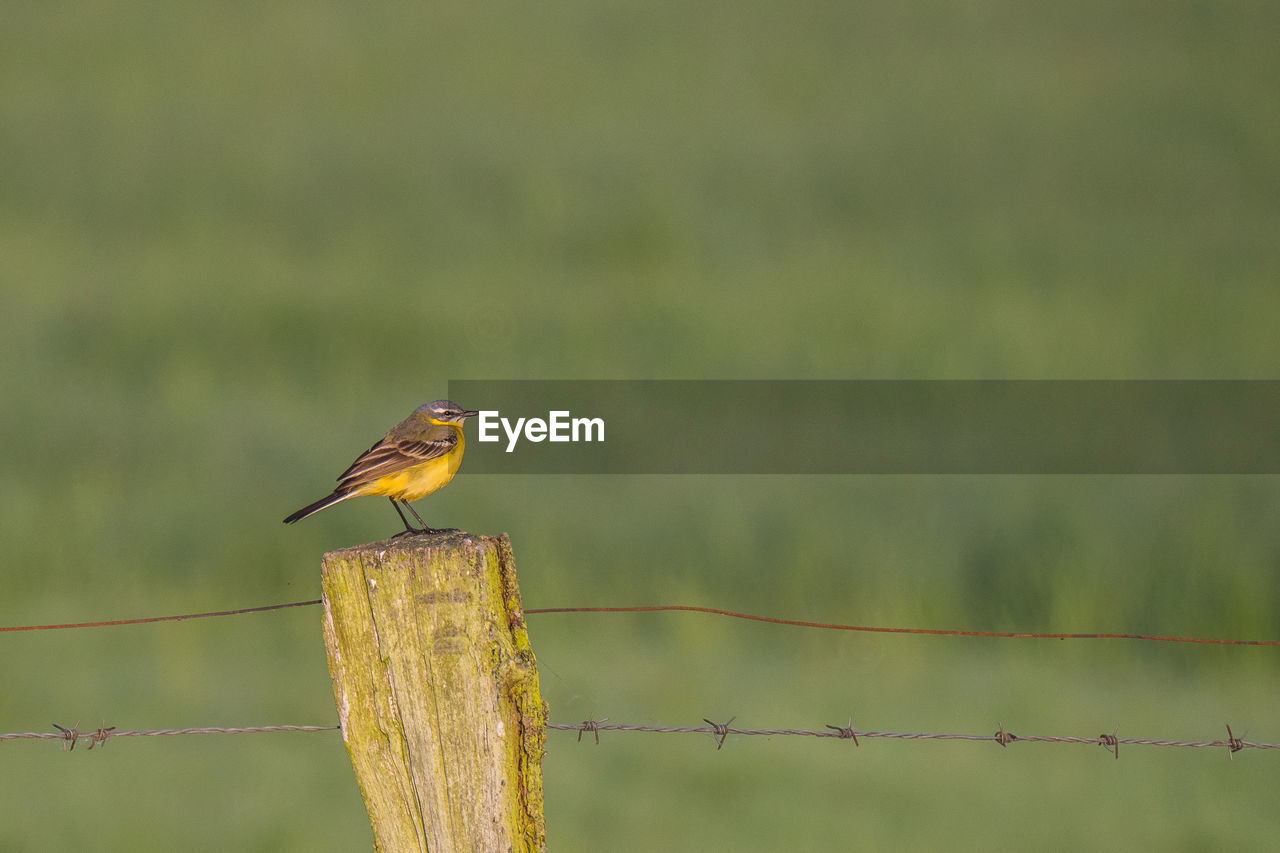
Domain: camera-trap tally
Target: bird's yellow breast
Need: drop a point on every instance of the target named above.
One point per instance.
(418, 481)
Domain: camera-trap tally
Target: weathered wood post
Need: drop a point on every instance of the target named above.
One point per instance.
(437, 692)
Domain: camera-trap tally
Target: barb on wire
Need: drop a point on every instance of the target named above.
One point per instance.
(593, 726)
(1234, 744)
(846, 732)
(720, 730)
(1003, 737)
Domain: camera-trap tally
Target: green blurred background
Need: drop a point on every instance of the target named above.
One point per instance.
(240, 240)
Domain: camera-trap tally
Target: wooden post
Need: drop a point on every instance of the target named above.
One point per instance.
(437, 692)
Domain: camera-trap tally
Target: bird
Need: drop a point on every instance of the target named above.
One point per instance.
(417, 456)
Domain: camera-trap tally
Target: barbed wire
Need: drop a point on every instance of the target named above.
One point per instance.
(720, 732)
(70, 736)
(689, 608)
(1003, 737)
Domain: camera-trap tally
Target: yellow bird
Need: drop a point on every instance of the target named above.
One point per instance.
(418, 456)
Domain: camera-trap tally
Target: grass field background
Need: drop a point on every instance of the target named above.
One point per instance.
(241, 241)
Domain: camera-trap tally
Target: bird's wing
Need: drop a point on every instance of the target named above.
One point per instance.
(389, 456)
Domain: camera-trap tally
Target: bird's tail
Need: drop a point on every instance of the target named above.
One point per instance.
(310, 509)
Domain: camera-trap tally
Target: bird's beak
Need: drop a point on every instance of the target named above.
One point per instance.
(468, 414)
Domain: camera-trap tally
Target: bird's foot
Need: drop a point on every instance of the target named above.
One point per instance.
(425, 531)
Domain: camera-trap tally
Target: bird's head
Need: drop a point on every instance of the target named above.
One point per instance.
(443, 412)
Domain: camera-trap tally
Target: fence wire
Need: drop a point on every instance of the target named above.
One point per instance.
(720, 732)
(712, 611)
(70, 736)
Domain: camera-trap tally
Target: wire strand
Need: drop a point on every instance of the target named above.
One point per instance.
(720, 731)
(70, 736)
(833, 626)
(689, 608)
(149, 619)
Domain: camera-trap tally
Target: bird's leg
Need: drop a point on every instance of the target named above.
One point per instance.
(425, 528)
(409, 529)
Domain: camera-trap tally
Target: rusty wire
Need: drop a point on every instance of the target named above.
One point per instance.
(690, 608)
(876, 629)
(149, 619)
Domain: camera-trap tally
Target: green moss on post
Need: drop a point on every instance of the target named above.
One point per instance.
(437, 692)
